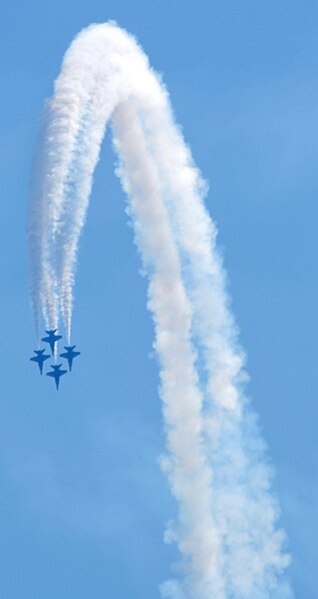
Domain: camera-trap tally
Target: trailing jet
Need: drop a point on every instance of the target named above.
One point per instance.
(70, 354)
(52, 339)
(40, 358)
(57, 373)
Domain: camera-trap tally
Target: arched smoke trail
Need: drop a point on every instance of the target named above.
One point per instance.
(216, 461)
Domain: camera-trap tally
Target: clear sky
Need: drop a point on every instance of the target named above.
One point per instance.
(83, 502)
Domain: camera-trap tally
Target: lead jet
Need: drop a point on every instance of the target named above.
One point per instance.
(52, 339)
(57, 373)
(40, 358)
(70, 354)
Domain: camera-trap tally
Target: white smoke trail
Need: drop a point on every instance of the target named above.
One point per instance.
(216, 463)
(236, 450)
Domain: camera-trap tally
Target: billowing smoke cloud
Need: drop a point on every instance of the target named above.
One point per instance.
(216, 461)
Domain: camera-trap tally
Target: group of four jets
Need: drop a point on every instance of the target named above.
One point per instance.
(41, 357)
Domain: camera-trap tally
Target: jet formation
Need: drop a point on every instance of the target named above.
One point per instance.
(41, 357)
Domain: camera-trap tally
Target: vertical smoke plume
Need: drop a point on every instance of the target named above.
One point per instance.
(216, 461)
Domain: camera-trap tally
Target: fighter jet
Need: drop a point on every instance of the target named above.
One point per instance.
(70, 354)
(57, 373)
(40, 358)
(52, 339)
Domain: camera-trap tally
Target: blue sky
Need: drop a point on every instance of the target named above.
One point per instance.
(83, 502)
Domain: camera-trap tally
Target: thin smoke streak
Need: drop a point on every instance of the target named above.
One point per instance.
(216, 460)
(185, 464)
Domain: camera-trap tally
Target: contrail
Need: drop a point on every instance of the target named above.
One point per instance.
(216, 460)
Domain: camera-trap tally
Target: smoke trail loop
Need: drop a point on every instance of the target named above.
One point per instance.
(216, 461)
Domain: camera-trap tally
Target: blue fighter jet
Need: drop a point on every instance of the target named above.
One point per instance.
(70, 354)
(40, 358)
(57, 373)
(52, 339)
